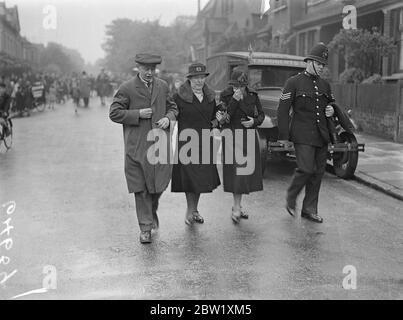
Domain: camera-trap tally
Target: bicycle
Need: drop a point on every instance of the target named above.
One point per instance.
(6, 133)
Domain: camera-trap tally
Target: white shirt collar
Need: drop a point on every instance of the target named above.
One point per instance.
(144, 81)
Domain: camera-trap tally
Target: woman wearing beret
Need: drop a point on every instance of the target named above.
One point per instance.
(244, 113)
(197, 110)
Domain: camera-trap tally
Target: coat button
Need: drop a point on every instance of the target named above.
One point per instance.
(317, 107)
(317, 100)
(317, 114)
(317, 121)
(303, 95)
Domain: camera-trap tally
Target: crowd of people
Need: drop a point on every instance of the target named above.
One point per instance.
(31, 89)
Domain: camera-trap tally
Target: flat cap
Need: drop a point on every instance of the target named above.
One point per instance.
(147, 58)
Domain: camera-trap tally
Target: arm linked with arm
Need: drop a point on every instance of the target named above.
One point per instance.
(172, 108)
(258, 120)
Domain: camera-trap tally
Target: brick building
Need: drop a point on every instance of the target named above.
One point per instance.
(15, 50)
(221, 19)
(296, 25)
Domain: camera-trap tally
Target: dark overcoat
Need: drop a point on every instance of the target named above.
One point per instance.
(249, 106)
(102, 84)
(133, 95)
(196, 115)
(85, 87)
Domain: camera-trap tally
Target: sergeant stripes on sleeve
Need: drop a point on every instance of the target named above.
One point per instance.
(285, 96)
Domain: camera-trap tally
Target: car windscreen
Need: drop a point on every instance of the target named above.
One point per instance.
(270, 76)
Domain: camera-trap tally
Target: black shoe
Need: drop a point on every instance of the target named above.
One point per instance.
(244, 215)
(197, 217)
(312, 217)
(290, 210)
(145, 237)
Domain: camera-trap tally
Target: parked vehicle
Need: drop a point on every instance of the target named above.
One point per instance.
(267, 73)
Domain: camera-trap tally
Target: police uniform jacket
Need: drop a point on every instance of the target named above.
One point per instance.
(133, 95)
(307, 96)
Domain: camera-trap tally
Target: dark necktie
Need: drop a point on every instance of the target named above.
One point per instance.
(149, 86)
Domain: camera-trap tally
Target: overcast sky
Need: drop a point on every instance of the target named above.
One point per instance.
(81, 23)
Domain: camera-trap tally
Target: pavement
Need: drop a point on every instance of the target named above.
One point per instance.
(73, 215)
(381, 165)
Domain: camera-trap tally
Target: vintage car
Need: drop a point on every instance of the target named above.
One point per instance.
(267, 73)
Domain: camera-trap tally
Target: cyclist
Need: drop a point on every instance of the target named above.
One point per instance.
(5, 100)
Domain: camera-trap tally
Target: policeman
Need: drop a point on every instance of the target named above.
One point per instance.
(309, 97)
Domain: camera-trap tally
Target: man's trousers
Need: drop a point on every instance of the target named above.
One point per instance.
(311, 162)
(146, 208)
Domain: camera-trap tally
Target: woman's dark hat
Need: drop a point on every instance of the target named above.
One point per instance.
(238, 78)
(197, 69)
(148, 59)
(319, 53)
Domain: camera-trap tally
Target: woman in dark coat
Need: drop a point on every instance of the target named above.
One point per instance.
(197, 111)
(244, 113)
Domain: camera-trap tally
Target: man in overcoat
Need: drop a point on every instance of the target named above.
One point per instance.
(310, 98)
(142, 104)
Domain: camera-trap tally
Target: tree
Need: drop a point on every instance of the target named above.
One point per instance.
(363, 49)
(60, 59)
(125, 38)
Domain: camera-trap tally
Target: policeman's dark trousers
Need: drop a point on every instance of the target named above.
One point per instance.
(311, 162)
(146, 208)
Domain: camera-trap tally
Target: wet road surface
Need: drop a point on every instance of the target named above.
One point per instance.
(73, 212)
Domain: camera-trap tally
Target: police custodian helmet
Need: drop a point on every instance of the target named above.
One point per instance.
(318, 53)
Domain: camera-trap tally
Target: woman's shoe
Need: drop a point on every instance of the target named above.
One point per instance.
(244, 215)
(194, 217)
(189, 220)
(236, 218)
(197, 217)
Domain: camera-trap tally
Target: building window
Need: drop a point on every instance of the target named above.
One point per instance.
(311, 38)
(227, 7)
(301, 44)
(277, 41)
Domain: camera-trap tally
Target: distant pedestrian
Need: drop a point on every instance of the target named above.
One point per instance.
(102, 85)
(85, 88)
(75, 94)
(140, 105)
(51, 98)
